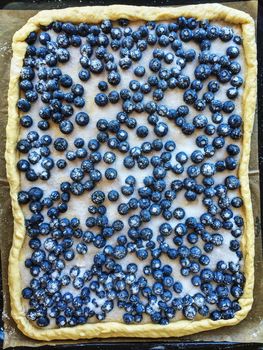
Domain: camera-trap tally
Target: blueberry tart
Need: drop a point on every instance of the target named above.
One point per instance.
(128, 144)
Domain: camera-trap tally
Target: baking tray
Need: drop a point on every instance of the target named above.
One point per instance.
(148, 344)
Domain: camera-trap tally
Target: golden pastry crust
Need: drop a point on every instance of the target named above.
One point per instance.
(94, 15)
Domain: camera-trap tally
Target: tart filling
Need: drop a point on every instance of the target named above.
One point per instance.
(130, 143)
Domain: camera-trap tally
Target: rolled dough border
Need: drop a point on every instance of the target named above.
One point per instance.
(96, 14)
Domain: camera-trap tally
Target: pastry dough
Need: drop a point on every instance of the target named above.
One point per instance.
(95, 15)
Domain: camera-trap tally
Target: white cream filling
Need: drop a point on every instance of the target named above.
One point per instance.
(78, 205)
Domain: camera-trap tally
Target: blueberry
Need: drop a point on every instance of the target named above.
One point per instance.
(77, 174)
(128, 162)
(215, 315)
(84, 75)
(213, 86)
(235, 121)
(128, 318)
(181, 157)
(190, 312)
(135, 54)
(190, 96)
(23, 197)
(200, 104)
(217, 118)
(228, 106)
(114, 78)
(96, 66)
(125, 62)
(93, 145)
(61, 163)
(35, 193)
(114, 96)
(60, 144)
(206, 275)
(43, 125)
(75, 40)
(179, 213)
(23, 165)
(95, 157)
(153, 81)
(27, 293)
(236, 81)
(122, 135)
(82, 118)
(236, 291)
(26, 121)
(114, 126)
(204, 260)
(225, 33)
(234, 245)
(197, 156)
(202, 72)
(119, 252)
(158, 95)
(79, 102)
(113, 195)
(232, 93)
(102, 124)
(111, 174)
(26, 85)
(234, 67)
(66, 127)
(161, 129)
(84, 61)
(23, 146)
(200, 121)
(224, 304)
(165, 229)
(169, 57)
(41, 321)
(98, 197)
(101, 99)
(208, 169)
(106, 26)
(237, 202)
(76, 188)
(231, 163)
(33, 136)
(201, 141)
(232, 182)
(31, 38)
(66, 80)
(139, 71)
(88, 237)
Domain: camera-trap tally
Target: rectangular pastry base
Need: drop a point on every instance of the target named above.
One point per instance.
(95, 15)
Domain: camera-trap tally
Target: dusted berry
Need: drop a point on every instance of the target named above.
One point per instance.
(66, 126)
(139, 71)
(82, 119)
(77, 174)
(96, 66)
(114, 78)
(111, 174)
(60, 144)
(101, 99)
(23, 104)
(98, 197)
(113, 196)
(161, 129)
(142, 131)
(202, 72)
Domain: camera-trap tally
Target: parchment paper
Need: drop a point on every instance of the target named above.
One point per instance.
(249, 330)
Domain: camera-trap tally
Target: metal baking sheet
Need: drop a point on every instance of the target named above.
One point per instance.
(249, 333)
